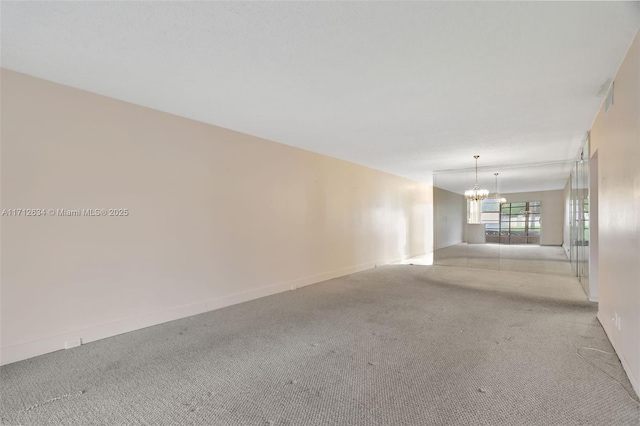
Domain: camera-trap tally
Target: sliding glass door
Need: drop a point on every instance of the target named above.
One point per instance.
(520, 223)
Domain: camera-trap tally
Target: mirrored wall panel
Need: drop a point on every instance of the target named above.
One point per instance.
(527, 222)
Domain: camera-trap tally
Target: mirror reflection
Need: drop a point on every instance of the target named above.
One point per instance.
(526, 221)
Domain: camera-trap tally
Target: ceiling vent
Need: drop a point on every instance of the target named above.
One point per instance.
(609, 101)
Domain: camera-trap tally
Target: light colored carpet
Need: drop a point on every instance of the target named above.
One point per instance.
(396, 345)
(521, 258)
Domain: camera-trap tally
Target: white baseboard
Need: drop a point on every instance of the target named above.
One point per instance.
(30, 349)
(635, 382)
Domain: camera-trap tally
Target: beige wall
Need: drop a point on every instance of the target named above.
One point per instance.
(552, 213)
(215, 217)
(615, 136)
(450, 217)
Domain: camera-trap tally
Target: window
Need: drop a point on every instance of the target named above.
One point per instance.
(491, 218)
(519, 223)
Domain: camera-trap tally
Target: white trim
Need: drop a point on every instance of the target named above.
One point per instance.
(625, 365)
(30, 349)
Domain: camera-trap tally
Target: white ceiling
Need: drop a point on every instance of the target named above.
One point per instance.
(407, 88)
(515, 178)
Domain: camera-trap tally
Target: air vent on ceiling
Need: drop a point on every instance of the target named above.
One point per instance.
(609, 101)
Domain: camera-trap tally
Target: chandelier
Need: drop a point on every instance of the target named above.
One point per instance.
(476, 193)
(496, 195)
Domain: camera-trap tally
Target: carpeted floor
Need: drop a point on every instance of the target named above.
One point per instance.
(396, 345)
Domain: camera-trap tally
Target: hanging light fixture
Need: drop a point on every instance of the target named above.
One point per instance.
(496, 195)
(476, 193)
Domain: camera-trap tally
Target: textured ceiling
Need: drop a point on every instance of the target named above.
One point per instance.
(407, 88)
